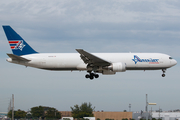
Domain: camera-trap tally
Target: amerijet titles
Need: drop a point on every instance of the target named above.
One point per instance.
(150, 60)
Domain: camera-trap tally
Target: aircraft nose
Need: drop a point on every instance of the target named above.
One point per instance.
(174, 62)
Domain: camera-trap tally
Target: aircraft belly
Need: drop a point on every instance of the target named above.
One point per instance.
(60, 69)
(145, 68)
(56, 63)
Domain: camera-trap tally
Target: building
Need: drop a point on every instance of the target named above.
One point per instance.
(157, 115)
(166, 115)
(104, 115)
(66, 113)
(112, 115)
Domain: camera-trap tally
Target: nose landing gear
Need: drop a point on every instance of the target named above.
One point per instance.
(164, 70)
(91, 76)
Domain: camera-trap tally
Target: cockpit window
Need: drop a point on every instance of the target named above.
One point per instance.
(170, 58)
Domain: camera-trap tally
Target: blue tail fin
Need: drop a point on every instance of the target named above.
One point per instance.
(18, 45)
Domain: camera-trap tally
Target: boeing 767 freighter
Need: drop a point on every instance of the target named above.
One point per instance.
(93, 63)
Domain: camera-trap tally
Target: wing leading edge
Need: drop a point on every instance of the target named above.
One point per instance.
(91, 59)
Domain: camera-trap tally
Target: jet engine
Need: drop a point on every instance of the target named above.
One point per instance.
(118, 67)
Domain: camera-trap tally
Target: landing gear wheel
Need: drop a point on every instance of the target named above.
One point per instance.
(163, 75)
(96, 75)
(164, 70)
(91, 77)
(87, 76)
(91, 74)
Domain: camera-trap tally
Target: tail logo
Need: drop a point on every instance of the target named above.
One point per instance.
(150, 60)
(17, 45)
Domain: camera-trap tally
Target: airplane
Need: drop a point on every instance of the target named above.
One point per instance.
(93, 63)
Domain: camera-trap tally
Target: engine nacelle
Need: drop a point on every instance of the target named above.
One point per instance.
(118, 67)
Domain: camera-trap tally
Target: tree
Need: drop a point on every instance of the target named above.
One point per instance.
(85, 110)
(17, 114)
(9, 114)
(37, 112)
(53, 113)
(45, 112)
(28, 116)
(124, 119)
(20, 114)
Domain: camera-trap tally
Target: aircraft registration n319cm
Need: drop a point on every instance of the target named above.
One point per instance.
(93, 63)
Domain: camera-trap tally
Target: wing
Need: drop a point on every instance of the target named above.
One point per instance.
(18, 58)
(91, 59)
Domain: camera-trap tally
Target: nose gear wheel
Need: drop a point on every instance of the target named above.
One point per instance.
(164, 70)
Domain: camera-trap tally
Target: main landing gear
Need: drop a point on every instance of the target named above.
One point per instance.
(91, 76)
(164, 70)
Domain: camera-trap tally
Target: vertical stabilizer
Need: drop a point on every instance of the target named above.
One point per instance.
(17, 44)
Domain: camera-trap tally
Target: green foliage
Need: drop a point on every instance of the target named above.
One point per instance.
(124, 119)
(20, 114)
(84, 119)
(28, 116)
(66, 119)
(85, 110)
(144, 119)
(37, 112)
(98, 119)
(9, 114)
(45, 112)
(53, 113)
(17, 114)
(108, 119)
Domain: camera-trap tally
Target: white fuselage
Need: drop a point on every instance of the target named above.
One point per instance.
(93, 63)
(73, 61)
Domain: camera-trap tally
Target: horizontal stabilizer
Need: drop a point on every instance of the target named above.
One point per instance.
(18, 58)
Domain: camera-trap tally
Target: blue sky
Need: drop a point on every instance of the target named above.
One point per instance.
(96, 26)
